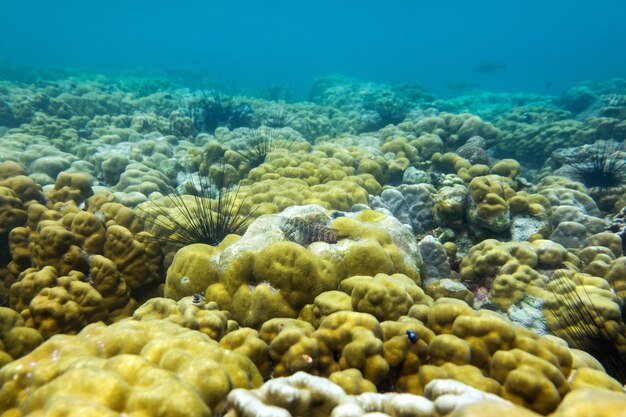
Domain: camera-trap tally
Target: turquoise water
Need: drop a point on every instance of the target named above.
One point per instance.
(537, 46)
(134, 134)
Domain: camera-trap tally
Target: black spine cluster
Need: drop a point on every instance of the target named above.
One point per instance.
(602, 168)
(212, 109)
(214, 214)
(585, 328)
(259, 144)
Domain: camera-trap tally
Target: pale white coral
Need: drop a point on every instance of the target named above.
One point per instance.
(450, 395)
(395, 405)
(305, 394)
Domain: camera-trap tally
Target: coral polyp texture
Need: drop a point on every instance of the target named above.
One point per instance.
(374, 251)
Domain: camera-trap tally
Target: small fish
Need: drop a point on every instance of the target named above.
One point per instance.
(412, 336)
(548, 85)
(488, 66)
(307, 230)
(614, 100)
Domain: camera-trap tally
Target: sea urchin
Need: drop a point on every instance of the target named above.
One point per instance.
(260, 143)
(202, 213)
(582, 324)
(602, 168)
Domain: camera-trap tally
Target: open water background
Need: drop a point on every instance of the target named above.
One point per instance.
(546, 45)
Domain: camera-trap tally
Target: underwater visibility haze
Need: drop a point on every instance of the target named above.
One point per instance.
(329, 208)
(246, 43)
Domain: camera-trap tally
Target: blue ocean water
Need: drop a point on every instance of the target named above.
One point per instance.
(535, 45)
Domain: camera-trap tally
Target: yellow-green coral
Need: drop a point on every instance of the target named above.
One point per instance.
(190, 312)
(144, 367)
(358, 338)
(55, 304)
(510, 268)
(386, 297)
(193, 269)
(275, 272)
(488, 205)
(16, 339)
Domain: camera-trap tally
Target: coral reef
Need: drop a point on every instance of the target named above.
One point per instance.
(152, 367)
(376, 250)
(284, 261)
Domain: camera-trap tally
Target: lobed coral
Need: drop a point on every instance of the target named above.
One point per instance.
(266, 274)
(338, 290)
(147, 367)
